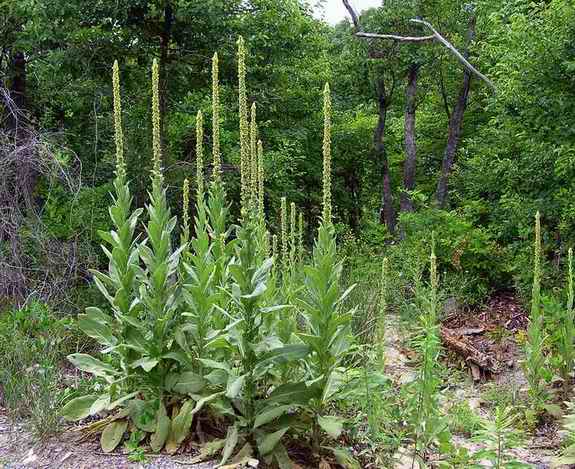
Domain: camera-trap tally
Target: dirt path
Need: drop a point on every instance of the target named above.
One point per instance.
(19, 449)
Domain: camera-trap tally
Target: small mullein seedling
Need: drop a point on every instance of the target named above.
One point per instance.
(500, 435)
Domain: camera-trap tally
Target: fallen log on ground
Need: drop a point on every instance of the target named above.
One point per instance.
(481, 364)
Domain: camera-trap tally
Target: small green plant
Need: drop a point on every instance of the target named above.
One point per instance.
(33, 343)
(463, 420)
(499, 434)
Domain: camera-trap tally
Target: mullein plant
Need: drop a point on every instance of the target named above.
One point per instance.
(141, 287)
(201, 293)
(429, 427)
(327, 326)
(535, 359)
(564, 336)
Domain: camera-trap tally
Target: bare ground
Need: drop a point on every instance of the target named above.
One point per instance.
(20, 449)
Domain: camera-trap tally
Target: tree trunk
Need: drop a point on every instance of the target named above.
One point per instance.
(387, 211)
(455, 125)
(17, 91)
(409, 165)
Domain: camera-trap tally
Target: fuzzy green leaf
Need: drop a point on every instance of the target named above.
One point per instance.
(235, 385)
(333, 426)
(187, 382)
(79, 408)
(231, 442)
(97, 330)
(270, 414)
(92, 365)
(112, 435)
(267, 444)
(162, 429)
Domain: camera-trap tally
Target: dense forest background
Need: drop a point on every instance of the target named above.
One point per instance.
(398, 109)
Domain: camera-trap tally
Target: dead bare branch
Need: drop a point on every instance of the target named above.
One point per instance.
(395, 37)
(455, 52)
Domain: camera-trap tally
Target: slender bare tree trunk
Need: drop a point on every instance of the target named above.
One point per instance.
(455, 125)
(387, 213)
(410, 162)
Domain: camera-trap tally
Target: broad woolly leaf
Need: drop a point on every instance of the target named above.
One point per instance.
(143, 414)
(91, 365)
(97, 330)
(187, 382)
(100, 404)
(214, 364)
(162, 429)
(123, 399)
(293, 393)
(268, 442)
(79, 408)
(182, 423)
(147, 363)
(112, 435)
(217, 377)
(259, 290)
(231, 442)
(333, 426)
(98, 315)
(270, 414)
(281, 456)
(334, 382)
(204, 400)
(235, 385)
(285, 354)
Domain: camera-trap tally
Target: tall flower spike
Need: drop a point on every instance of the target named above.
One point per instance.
(261, 207)
(300, 237)
(253, 153)
(275, 246)
(119, 133)
(535, 295)
(216, 120)
(433, 278)
(284, 233)
(326, 155)
(244, 127)
(200, 155)
(570, 293)
(293, 236)
(157, 146)
(186, 210)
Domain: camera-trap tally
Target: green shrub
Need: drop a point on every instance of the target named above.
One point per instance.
(33, 344)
